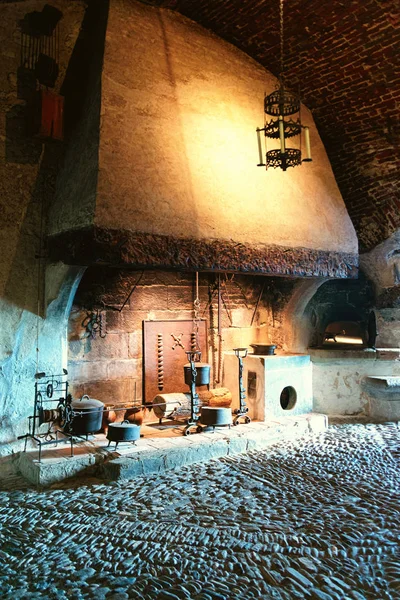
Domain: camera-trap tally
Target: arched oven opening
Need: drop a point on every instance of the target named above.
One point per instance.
(341, 317)
(347, 333)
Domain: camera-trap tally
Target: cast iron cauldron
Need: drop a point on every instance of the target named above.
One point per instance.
(87, 415)
(123, 432)
(203, 373)
(215, 416)
(264, 349)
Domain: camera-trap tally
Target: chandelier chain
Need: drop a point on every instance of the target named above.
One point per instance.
(281, 33)
(196, 313)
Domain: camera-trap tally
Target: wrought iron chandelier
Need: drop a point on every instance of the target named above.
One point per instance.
(282, 104)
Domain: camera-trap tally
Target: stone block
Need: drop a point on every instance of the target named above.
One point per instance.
(170, 315)
(135, 341)
(44, 474)
(114, 345)
(110, 391)
(124, 369)
(178, 458)
(180, 297)
(87, 371)
(154, 462)
(236, 445)
(201, 451)
(388, 353)
(266, 378)
(122, 468)
(146, 298)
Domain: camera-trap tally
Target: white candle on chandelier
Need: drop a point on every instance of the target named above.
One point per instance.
(307, 144)
(282, 133)
(260, 163)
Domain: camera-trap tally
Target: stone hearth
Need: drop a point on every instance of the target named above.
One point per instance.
(160, 450)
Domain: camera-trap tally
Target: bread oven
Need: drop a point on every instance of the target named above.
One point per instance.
(340, 316)
(350, 334)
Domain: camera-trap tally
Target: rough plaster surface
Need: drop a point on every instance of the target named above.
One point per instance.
(19, 364)
(382, 264)
(75, 196)
(388, 325)
(178, 149)
(344, 58)
(339, 380)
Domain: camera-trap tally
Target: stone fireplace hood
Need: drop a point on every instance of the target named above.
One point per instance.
(161, 169)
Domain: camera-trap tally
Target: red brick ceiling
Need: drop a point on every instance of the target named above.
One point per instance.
(346, 56)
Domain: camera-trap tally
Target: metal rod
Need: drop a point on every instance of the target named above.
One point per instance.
(219, 306)
(258, 302)
(132, 290)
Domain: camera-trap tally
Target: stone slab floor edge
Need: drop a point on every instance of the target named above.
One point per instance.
(157, 455)
(317, 517)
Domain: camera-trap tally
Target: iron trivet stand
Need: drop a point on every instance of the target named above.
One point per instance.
(242, 411)
(46, 386)
(193, 421)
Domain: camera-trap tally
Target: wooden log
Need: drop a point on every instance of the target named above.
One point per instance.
(178, 403)
(166, 405)
(216, 397)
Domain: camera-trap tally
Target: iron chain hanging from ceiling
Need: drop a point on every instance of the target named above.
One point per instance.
(280, 105)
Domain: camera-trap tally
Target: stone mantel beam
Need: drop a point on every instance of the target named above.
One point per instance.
(122, 248)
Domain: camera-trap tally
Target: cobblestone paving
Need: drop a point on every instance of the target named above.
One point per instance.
(316, 518)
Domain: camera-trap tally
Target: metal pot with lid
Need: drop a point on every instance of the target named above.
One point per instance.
(87, 415)
(123, 432)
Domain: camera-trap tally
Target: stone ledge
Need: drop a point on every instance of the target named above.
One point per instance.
(157, 455)
(387, 386)
(201, 447)
(340, 354)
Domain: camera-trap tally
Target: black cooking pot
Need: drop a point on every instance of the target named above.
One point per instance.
(264, 349)
(215, 416)
(123, 432)
(87, 415)
(202, 376)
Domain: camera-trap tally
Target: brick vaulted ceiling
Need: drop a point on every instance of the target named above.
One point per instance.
(345, 55)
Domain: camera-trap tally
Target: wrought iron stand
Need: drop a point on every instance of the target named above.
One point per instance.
(241, 412)
(45, 388)
(192, 422)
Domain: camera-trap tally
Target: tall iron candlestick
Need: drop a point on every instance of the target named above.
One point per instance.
(194, 397)
(241, 412)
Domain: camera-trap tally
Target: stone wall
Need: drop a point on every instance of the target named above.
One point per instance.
(109, 367)
(33, 299)
(340, 379)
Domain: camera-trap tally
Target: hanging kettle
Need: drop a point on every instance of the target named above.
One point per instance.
(202, 371)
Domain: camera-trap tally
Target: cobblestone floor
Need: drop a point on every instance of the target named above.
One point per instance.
(317, 518)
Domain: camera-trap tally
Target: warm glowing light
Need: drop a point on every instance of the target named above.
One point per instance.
(342, 339)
